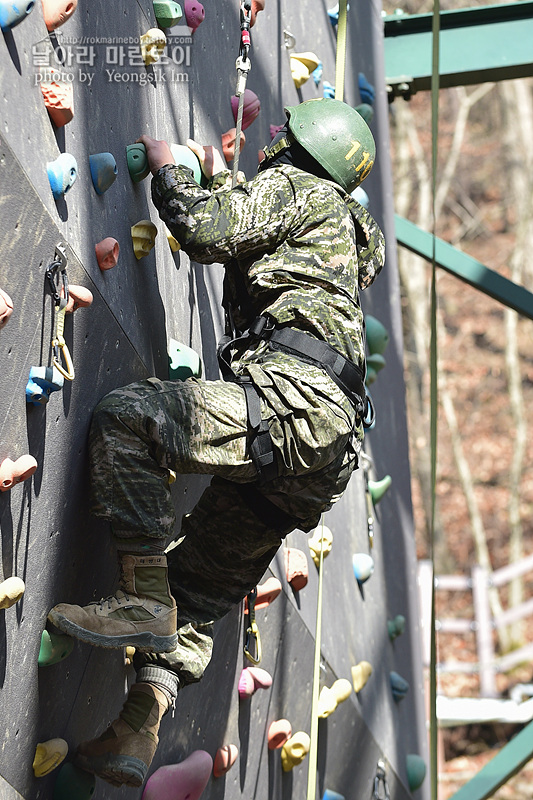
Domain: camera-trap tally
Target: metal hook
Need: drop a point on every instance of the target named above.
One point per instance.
(289, 39)
(381, 779)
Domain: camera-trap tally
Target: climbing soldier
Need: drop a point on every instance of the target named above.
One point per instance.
(280, 434)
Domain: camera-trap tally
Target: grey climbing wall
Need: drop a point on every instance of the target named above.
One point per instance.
(47, 535)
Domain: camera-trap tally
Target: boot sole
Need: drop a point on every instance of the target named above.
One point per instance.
(145, 642)
(116, 770)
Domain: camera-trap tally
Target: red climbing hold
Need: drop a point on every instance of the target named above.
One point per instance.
(107, 253)
(56, 12)
(251, 108)
(224, 760)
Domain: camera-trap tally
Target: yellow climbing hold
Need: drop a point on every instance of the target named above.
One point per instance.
(321, 538)
(295, 750)
(48, 756)
(172, 241)
(327, 703)
(302, 65)
(360, 674)
(342, 689)
(11, 590)
(153, 42)
(143, 236)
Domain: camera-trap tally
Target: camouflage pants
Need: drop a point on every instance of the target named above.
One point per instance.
(143, 430)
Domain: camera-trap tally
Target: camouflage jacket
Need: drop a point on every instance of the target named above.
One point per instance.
(293, 246)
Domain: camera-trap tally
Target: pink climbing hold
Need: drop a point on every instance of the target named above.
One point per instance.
(194, 14)
(107, 253)
(251, 108)
(279, 732)
(252, 679)
(224, 760)
(78, 297)
(13, 472)
(6, 308)
(275, 129)
(184, 781)
(296, 568)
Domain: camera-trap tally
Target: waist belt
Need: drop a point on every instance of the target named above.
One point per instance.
(347, 375)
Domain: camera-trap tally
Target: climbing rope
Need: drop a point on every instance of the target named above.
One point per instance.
(243, 66)
(56, 275)
(340, 60)
(313, 747)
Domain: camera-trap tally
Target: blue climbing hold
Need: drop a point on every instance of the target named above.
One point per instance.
(330, 795)
(363, 567)
(103, 171)
(361, 196)
(367, 93)
(329, 90)
(42, 382)
(14, 11)
(399, 686)
(317, 73)
(184, 157)
(62, 173)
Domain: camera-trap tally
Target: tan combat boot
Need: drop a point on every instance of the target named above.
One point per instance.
(142, 612)
(124, 752)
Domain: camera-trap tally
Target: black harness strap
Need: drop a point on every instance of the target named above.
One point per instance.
(261, 449)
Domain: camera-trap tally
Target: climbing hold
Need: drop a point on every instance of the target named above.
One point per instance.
(274, 129)
(6, 308)
(360, 675)
(342, 689)
(367, 93)
(266, 594)
(377, 336)
(330, 795)
(55, 647)
(295, 750)
(365, 111)
(224, 760)
(194, 14)
(42, 382)
(416, 770)
(48, 756)
(363, 567)
(143, 237)
(58, 99)
(184, 157)
(302, 65)
(296, 568)
(328, 90)
(333, 14)
(184, 781)
(103, 171)
(228, 143)
(62, 173)
(73, 782)
(172, 241)
(378, 489)
(56, 12)
(399, 686)
(153, 42)
(14, 11)
(184, 362)
(11, 590)
(78, 297)
(322, 539)
(107, 253)
(374, 364)
(257, 6)
(251, 108)
(278, 733)
(137, 161)
(13, 472)
(252, 679)
(167, 13)
(327, 703)
(317, 73)
(361, 196)
(396, 626)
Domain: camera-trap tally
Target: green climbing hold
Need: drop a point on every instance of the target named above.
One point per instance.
(374, 364)
(183, 156)
(378, 488)
(184, 362)
(73, 783)
(137, 161)
(54, 648)
(366, 111)
(167, 13)
(377, 336)
(416, 770)
(396, 626)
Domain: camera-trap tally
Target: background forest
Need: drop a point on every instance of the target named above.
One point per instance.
(485, 466)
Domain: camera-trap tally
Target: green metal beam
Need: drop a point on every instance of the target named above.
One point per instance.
(464, 267)
(487, 43)
(500, 769)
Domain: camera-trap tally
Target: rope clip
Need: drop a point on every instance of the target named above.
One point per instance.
(243, 68)
(381, 779)
(246, 18)
(252, 632)
(56, 275)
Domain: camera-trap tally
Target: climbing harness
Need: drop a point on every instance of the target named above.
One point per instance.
(380, 783)
(56, 275)
(243, 66)
(253, 639)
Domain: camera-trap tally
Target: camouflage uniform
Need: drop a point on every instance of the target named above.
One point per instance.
(294, 247)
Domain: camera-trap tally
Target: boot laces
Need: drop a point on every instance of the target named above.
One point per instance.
(120, 597)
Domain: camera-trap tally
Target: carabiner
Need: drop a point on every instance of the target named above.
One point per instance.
(381, 778)
(252, 632)
(246, 18)
(60, 348)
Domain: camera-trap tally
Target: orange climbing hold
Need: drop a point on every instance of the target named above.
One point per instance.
(57, 12)
(296, 568)
(78, 297)
(224, 760)
(257, 6)
(279, 732)
(266, 594)
(228, 143)
(11, 590)
(6, 308)
(59, 100)
(13, 472)
(107, 253)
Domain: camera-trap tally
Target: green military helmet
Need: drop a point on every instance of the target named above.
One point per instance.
(337, 136)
